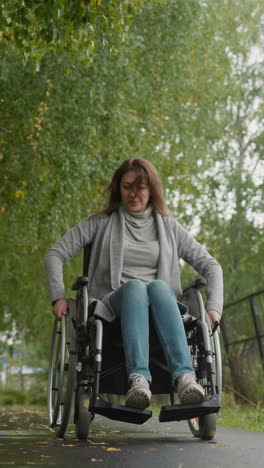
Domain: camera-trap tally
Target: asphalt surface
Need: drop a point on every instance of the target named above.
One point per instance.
(26, 440)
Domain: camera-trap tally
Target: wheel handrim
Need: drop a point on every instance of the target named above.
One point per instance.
(56, 370)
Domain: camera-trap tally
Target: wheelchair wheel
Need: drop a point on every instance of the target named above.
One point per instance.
(69, 383)
(83, 415)
(56, 371)
(205, 426)
(62, 371)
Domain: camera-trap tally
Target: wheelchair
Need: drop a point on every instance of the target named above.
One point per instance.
(87, 361)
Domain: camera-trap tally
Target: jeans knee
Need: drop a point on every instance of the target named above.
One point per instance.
(131, 295)
(134, 287)
(157, 285)
(159, 288)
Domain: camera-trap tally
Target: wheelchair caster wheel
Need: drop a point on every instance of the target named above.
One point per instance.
(204, 426)
(84, 417)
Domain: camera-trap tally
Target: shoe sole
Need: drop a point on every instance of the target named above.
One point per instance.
(192, 397)
(138, 399)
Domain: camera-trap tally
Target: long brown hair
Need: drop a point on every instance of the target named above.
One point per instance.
(146, 172)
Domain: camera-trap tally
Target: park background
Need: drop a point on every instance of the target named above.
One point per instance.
(87, 84)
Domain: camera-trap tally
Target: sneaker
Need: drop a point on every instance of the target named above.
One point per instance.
(189, 391)
(139, 394)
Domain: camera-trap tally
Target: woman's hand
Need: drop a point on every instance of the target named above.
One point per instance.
(60, 308)
(214, 316)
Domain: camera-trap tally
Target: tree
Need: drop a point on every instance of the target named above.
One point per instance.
(57, 26)
(164, 85)
(233, 201)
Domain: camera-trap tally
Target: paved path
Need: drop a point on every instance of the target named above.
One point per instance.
(25, 440)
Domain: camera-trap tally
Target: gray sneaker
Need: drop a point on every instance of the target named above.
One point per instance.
(189, 391)
(139, 394)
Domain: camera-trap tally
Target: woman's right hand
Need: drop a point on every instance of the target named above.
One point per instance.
(60, 308)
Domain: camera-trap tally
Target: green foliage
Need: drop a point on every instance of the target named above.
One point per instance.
(172, 81)
(75, 26)
(12, 397)
(248, 417)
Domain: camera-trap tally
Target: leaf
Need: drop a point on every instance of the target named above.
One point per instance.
(96, 443)
(113, 449)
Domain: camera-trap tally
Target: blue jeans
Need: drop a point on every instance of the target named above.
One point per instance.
(131, 303)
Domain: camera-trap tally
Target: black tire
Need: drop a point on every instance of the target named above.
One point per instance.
(83, 419)
(204, 426)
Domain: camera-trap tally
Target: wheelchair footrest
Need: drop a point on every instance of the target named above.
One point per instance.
(121, 412)
(190, 410)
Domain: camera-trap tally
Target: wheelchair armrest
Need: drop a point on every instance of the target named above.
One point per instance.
(199, 283)
(81, 281)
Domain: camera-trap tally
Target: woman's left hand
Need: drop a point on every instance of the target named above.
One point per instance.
(214, 316)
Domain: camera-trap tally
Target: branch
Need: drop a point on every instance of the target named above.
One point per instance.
(5, 130)
(240, 395)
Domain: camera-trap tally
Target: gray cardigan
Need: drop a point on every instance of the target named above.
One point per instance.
(106, 234)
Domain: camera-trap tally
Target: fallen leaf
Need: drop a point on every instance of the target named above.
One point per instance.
(96, 443)
(113, 449)
(37, 463)
(33, 463)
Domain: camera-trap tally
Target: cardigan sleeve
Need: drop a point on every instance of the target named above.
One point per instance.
(199, 258)
(64, 249)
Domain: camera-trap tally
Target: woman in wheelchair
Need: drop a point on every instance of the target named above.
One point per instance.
(134, 269)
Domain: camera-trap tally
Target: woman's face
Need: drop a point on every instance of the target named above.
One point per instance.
(134, 197)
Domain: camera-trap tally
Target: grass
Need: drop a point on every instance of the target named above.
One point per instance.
(13, 397)
(249, 417)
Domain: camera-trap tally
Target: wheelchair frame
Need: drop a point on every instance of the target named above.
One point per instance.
(75, 369)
